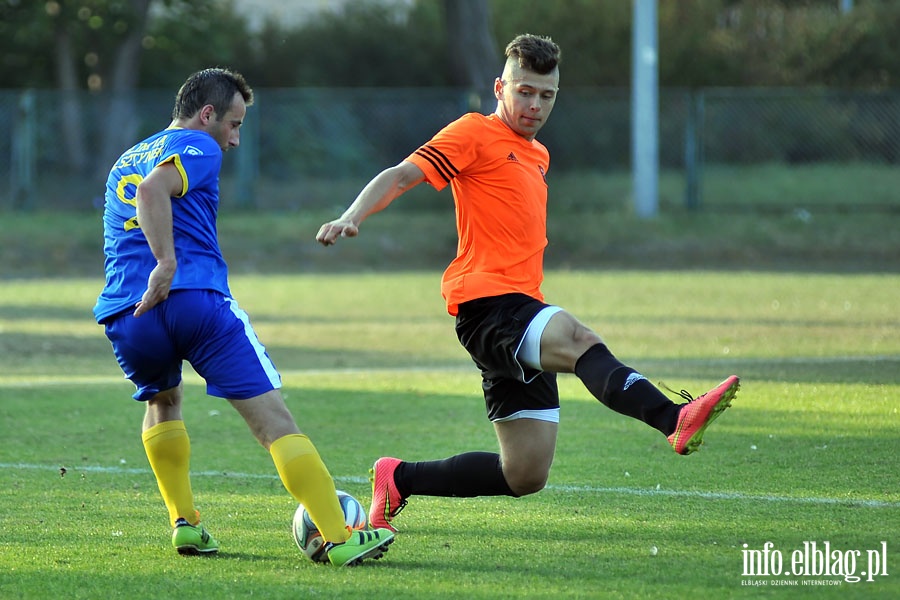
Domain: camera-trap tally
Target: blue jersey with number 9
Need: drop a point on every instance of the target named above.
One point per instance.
(129, 259)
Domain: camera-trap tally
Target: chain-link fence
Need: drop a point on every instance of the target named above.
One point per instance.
(52, 146)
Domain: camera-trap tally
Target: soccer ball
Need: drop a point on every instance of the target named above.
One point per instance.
(307, 535)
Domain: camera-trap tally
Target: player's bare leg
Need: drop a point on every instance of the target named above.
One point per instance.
(527, 447)
(267, 416)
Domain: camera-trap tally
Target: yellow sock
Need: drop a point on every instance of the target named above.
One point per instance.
(307, 479)
(168, 449)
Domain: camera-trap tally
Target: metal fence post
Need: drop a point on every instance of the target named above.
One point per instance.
(247, 168)
(693, 148)
(23, 154)
(645, 109)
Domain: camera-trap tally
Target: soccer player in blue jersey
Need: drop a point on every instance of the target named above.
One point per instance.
(167, 300)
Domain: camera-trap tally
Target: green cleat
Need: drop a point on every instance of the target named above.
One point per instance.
(193, 539)
(363, 544)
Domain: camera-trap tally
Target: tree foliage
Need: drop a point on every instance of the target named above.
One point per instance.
(31, 33)
(366, 44)
(188, 35)
(388, 43)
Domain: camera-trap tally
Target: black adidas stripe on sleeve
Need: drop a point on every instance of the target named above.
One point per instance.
(440, 162)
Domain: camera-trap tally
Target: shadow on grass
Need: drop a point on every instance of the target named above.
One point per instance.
(875, 370)
(23, 348)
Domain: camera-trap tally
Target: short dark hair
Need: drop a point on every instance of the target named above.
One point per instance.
(535, 53)
(214, 86)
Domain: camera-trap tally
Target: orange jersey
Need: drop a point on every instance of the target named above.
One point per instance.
(499, 187)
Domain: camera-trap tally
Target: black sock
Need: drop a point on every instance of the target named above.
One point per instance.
(624, 390)
(463, 476)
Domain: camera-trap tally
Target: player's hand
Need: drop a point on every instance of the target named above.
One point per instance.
(330, 232)
(158, 285)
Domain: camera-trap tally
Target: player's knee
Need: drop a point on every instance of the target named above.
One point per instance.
(584, 337)
(562, 346)
(527, 487)
(525, 483)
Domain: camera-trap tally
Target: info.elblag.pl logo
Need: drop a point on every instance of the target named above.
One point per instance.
(818, 560)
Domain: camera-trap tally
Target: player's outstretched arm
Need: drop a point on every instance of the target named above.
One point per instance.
(376, 196)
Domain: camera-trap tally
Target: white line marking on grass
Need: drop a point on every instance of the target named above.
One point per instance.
(581, 489)
(724, 496)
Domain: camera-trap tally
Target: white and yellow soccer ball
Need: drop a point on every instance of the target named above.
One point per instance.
(307, 535)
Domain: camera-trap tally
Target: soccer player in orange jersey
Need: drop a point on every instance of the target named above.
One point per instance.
(497, 171)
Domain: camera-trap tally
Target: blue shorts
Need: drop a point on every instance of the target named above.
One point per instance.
(203, 327)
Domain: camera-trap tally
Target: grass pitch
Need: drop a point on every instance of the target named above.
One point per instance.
(371, 367)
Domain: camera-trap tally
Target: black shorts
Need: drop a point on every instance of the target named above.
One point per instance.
(491, 329)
